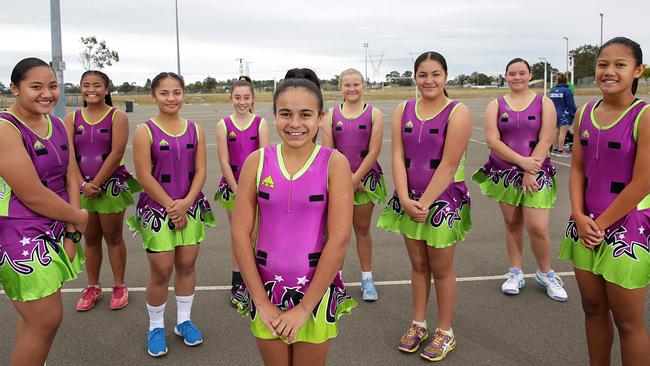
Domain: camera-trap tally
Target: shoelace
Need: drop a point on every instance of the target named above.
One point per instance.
(555, 282)
(118, 291)
(411, 333)
(89, 293)
(438, 340)
(511, 277)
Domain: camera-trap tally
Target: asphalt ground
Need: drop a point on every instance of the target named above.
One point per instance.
(490, 328)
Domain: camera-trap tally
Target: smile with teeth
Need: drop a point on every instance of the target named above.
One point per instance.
(295, 133)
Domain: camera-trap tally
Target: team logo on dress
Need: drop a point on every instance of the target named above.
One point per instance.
(80, 128)
(409, 124)
(585, 134)
(3, 189)
(164, 142)
(232, 134)
(505, 115)
(268, 182)
(339, 123)
(38, 145)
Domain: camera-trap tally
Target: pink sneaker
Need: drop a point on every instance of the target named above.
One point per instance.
(89, 298)
(120, 297)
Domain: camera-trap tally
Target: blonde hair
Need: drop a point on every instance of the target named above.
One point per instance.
(351, 71)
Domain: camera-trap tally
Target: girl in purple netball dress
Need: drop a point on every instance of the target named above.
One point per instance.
(303, 195)
(238, 135)
(355, 129)
(172, 213)
(431, 204)
(519, 129)
(608, 236)
(40, 219)
(101, 132)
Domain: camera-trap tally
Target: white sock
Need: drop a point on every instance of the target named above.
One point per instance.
(366, 275)
(156, 316)
(184, 308)
(422, 324)
(449, 332)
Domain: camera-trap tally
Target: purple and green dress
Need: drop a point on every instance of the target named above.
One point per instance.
(173, 161)
(242, 141)
(291, 238)
(33, 263)
(93, 143)
(449, 219)
(609, 151)
(351, 137)
(502, 180)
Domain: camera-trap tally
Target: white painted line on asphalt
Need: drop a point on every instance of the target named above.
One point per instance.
(348, 284)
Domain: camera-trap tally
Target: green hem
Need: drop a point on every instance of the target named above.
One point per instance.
(166, 239)
(376, 196)
(227, 204)
(543, 198)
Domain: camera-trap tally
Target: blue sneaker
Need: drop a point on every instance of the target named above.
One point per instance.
(191, 335)
(156, 342)
(368, 289)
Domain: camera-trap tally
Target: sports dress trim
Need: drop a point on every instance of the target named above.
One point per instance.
(33, 262)
(503, 181)
(449, 219)
(623, 257)
(173, 167)
(93, 143)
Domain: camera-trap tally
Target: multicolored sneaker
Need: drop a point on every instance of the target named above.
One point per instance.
(411, 340)
(90, 296)
(238, 298)
(514, 282)
(156, 342)
(190, 333)
(439, 347)
(553, 285)
(368, 290)
(120, 297)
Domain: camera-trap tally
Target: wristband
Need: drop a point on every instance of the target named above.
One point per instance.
(83, 185)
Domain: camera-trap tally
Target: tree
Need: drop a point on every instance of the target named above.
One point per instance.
(71, 88)
(126, 87)
(96, 54)
(645, 75)
(392, 77)
(584, 61)
(538, 71)
(3, 88)
(209, 84)
(407, 74)
(147, 84)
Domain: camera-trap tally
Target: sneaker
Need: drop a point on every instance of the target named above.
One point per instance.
(120, 297)
(368, 289)
(238, 298)
(156, 342)
(563, 154)
(439, 347)
(411, 340)
(191, 335)
(553, 285)
(90, 296)
(514, 282)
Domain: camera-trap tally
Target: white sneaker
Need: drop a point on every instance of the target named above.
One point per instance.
(553, 285)
(514, 282)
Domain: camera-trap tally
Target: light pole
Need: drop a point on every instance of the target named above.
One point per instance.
(365, 45)
(567, 53)
(545, 73)
(178, 47)
(57, 55)
(601, 29)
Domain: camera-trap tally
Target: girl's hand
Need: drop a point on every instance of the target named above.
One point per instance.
(530, 164)
(289, 323)
(268, 314)
(415, 210)
(70, 248)
(178, 208)
(360, 188)
(589, 233)
(90, 190)
(529, 184)
(180, 223)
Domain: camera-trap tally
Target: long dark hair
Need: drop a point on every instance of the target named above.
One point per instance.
(164, 75)
(435, 56)
(23, 66)
(107, 84)
(301, 78)
(634, 47)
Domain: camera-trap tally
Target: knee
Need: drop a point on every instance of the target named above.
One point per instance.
(160, 278)
(113, 238)
(185, 271)
(362, 230)
(440, 274)
(92, 238)
(421, 267)
(594, 308)
(513, 223)
(538, 231)
(627, 325)
(48, 322)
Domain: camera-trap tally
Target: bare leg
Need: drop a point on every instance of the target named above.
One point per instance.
(160, 271)
(93, 248)
(420, 276)
(598, 321)
(274, 352)
(441, 262)
(361, 223)
(185, 279)
(310, 354)
(514, 222)
(536, 220)
(112, 225)
(627, 307)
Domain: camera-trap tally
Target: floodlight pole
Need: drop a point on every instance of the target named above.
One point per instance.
(365, 45)
(178, 47)
(601, 29)
(545, 73)
(57, 55)
(567, 53)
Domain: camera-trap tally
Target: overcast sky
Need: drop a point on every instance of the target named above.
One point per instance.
(275, 35)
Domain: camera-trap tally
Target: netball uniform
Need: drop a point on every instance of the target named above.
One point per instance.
(449, 217)
(608, 156)
(33, 263)
(292, 236)
(173, 159)
(241, 142)
(502, 180)
(352, 138)
(93, 143)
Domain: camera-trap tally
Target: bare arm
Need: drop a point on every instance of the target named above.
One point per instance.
(374, 146)
(265, 136)
(224, 157)
(639, 186)
(326, 125)
(17, 170)
(120, 136)
(142, 162)
(459, 130)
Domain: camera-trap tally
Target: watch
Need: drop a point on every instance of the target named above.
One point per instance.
(75, 236)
